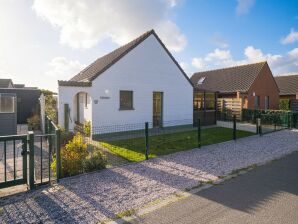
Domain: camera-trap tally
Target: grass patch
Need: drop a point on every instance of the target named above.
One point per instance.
(125, 213)
(133, 149)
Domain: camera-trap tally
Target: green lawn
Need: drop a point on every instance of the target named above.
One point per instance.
(134, 149)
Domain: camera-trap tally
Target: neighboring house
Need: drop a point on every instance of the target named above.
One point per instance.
(252, 84)
(6, 83)
(27, 98)
(288, 86)
(136, 83)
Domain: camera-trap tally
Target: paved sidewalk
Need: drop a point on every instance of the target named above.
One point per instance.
(268, 194)
(97, 196)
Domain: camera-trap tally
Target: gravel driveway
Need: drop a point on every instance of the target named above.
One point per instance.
(94, 197)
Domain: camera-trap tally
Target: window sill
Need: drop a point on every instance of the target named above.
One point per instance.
(121, 109)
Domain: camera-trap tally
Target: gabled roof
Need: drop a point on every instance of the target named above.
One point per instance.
(19, 85)
(288, 85)
(92, 71)
(4, 83)
(228, 80)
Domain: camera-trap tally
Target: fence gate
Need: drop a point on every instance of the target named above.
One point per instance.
(44, 152)
(13, 162)
(27, 159)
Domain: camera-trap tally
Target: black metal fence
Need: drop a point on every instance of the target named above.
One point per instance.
(121, 144)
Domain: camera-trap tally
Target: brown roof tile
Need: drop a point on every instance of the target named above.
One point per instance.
(232, 79)
(74, 83)
(288, 85)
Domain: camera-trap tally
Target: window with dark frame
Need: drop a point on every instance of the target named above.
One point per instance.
(257, 102)
(86, 100)
(202, 103)
(266, 102)
(126, 100)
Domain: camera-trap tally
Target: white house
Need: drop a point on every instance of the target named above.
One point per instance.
(136, 83)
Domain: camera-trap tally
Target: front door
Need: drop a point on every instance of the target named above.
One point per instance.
(157, 109)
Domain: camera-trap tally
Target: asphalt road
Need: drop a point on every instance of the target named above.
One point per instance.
(267, 194)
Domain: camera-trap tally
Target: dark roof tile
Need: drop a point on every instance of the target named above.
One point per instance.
(229, 80)
(288, 85)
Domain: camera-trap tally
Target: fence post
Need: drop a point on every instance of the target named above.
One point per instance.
(146, 139)
(199, 133)
(58, 156)
(234, 127)
(46, 124)
(30, 139)
(50, 130)
(260, 126)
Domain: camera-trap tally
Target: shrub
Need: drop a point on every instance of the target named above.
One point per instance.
(73, 155)
(94, 161)
(65, 136)
(87, 128)
(284, 104)
(34, 122)
(50, 104)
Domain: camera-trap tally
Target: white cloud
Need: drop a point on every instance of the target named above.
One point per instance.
(279, 64)
(218, 41)
(83, 24)
(243, 6)
(63, 69)
(291, 37)
(218, 54)
(198, 63)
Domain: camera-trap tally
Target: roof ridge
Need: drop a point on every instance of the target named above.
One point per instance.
(279, 76)
(236, 66)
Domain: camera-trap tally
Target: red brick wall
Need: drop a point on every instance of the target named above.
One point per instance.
(264, 85)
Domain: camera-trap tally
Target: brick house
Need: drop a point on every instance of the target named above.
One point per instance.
(288, 86)
(252, 84)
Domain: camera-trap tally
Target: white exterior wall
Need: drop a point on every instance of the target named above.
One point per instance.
(145, 69)
(67, 94)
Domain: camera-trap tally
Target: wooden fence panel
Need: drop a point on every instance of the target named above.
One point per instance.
(232, 106)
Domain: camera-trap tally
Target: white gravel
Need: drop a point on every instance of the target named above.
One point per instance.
(94, 197)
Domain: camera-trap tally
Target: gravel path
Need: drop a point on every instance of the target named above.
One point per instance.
(94, 197)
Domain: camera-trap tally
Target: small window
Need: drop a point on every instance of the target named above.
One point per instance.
(266, 102)
(257, 102)
(6, 104)
(86, 100)
(201, 80)
(126, 100)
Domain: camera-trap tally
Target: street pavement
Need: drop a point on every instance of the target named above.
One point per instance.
(267, 194)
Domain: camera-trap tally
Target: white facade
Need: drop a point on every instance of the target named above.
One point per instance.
(144, 70)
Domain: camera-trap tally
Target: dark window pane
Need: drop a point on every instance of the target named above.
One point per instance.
(210, 105)
(126, 100)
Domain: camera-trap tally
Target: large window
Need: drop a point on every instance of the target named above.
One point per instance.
(202, 102)
(126, 100)
(6, 104)
(198, 101)
(266, 102)
(210, 101)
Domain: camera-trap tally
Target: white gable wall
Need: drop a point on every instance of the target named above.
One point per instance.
(145, 69)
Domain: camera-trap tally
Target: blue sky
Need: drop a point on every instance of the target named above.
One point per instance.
(42, 41)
